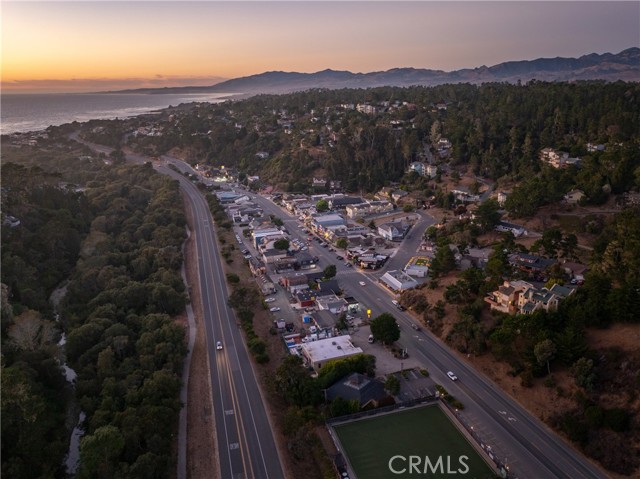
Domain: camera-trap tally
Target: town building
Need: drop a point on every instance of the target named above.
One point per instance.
(393, 231)
(418, 266)
(397, 280)
(318, 353)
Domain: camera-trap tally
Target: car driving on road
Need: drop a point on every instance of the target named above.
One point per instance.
(219, 345)
(275, 309)
(269, 300)
(452, 376)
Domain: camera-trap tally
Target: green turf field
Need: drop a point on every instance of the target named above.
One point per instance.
(370, 443)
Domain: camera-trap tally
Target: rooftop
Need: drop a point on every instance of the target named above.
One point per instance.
(331, 348)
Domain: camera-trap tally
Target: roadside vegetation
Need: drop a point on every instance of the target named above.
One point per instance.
(115, 233)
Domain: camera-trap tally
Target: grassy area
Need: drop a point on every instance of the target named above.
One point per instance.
(370, 443)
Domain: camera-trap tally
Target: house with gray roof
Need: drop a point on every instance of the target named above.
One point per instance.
(358, 387)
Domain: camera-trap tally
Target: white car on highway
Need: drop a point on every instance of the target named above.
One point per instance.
(219, 345)
(452, 376)
(362, 283)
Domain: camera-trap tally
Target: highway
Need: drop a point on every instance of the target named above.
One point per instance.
(245, 442)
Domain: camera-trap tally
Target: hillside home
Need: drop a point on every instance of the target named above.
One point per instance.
(573, 197)
(418, 167)
(530, 263)
(557, 159)
(502, 198)
(505, 298)
(516, 230)
(397, 195)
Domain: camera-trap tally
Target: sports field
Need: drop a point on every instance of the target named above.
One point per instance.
(371, 443)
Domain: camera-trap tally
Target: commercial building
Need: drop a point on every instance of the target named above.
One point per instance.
(398, 281)
(317, 353)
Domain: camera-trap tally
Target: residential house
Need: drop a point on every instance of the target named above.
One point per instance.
(393, 231)
(431, 171)
(557, 159)
(368, 392)
(575, 270)
(418, 167)
(397, 195)
(505, 227)
(380, 206)
(592, 147)
(502, 198)
(574, 196)
(505, 298)
(319, 184)
(465, 196)
(529, 263)
(357, 211)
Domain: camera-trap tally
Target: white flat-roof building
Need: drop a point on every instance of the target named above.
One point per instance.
(418, 266)
(317, 353)
(398, 281)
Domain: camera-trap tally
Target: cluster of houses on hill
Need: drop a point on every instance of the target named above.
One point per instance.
(558, 159)
(522, 297)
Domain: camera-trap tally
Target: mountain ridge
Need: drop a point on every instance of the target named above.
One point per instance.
(593, 66)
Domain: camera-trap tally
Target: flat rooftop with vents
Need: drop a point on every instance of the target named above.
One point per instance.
(319, 352)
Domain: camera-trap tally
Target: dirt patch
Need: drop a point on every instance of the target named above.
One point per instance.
(623, 336)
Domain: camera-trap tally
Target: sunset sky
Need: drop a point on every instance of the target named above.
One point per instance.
(88, 46)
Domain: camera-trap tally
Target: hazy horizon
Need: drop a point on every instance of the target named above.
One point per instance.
(98, 46)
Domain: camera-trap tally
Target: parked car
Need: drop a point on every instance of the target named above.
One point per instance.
(275, 309)
(452, 376)
(362, 283)
(269, 300)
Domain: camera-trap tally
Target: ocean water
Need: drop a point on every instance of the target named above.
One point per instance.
(33, 112)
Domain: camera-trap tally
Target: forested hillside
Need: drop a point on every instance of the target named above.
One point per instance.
(496, 129)
(116, 234)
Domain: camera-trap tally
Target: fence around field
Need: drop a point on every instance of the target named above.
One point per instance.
(501, 467)
(381, 410)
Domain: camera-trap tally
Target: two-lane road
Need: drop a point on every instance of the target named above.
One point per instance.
(246, 447)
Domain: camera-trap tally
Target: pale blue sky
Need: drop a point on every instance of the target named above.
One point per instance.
(80, 45)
